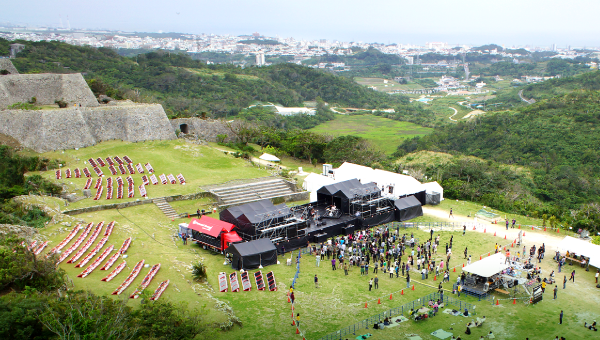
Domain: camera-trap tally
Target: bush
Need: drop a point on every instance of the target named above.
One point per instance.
(23, 106)
(61, 103)
(199, 272)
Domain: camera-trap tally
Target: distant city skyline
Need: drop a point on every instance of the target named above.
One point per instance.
(472, 22)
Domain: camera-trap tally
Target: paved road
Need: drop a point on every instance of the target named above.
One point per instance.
(529, 101)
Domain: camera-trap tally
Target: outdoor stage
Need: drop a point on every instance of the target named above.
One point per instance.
(329, 227)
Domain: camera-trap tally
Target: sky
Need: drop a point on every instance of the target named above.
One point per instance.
(470, 22)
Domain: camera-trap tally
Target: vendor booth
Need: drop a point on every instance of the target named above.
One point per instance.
(484, 275)
(578, 248)
(253, 254)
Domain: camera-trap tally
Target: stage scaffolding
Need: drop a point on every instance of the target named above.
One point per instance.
(366, 204)
(278, 227)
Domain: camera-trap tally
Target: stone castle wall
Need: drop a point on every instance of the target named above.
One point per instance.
(6, 64)
(206, 129)
(76, 127)
(47, 88)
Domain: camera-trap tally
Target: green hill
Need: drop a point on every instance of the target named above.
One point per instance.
(556, 139)
(189, 87)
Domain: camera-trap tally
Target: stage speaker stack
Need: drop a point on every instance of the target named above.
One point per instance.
(348, 230)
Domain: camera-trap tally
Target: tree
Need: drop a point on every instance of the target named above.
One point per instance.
(20, 267)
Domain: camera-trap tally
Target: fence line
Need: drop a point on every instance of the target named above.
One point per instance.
(364, 324)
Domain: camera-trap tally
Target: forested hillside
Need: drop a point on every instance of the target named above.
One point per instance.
(557, 139)
(189, 87)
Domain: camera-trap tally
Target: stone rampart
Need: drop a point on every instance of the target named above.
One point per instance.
(76, 127)
(46, 88)
(6, 64)
(207, 129)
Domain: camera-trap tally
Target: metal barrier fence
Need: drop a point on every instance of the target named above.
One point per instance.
(364, 324)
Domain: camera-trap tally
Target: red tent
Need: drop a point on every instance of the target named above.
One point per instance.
(210, 226)
(214, 229)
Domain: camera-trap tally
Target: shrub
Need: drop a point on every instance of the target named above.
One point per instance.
(61, 103)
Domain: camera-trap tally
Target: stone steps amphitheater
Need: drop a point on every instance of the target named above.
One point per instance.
(250, 192)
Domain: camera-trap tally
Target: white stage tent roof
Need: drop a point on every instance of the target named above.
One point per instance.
(581, 247)
(269, 157)
(487, 267)
(314, 182)
(403, 185)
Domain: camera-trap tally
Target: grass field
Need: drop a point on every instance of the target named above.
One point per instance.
(200, 165)
(340, 300)
(384, 133)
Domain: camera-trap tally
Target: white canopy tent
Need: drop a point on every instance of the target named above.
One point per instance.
(432, 187)
(269, 157)
(488, 267)
(581, 247)
(314, 182)
(402, 184)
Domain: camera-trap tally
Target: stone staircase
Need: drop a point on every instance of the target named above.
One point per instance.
(165, 207)
(245, 193)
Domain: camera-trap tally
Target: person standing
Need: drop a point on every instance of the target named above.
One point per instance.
(507, 224)
(513, 223)
(459, 289)
(298, 320)
(465, 252)
(572, 276)
(376, 282)
(597, 273)
(292, 297)
(464, 229)
(431, 233)
(346, 269)
(451, 215)
(561, 317)
(543, 287)
(565, 282)
(184, 236)
(318, 260)
(370, 284)
(316, 281)
(333, 263)
(555, 291)
(407, 280)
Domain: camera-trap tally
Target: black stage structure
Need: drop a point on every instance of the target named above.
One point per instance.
(341, 208)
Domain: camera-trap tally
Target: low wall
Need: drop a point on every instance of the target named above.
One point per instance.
(138, 202)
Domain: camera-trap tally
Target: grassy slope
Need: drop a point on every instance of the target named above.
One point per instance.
(200, 165)
(340, 300)
(382, 132)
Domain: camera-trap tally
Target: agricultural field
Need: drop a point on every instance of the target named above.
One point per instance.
(384, 133)
(386, 85)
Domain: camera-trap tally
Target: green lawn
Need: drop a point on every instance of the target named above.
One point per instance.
(384, 133)
(340, 300)
(200, 165)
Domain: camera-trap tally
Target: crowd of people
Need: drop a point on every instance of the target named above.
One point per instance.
(381, 251)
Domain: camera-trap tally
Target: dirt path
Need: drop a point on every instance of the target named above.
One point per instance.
(455, 112)
(530, 238)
